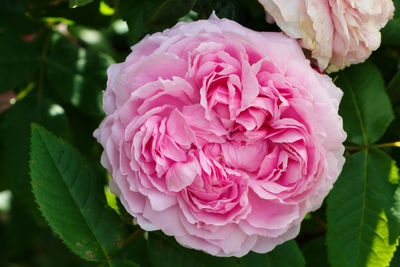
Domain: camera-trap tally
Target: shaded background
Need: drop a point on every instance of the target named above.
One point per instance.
(53, 62)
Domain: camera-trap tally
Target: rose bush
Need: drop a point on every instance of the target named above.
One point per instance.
(220, 136)
(338, 32)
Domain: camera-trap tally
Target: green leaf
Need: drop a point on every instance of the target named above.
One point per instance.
(365, 107)
(170, 11)
(71, 198)
(360, 232)
(136, 13)
(77, 75)
(14, 140)
(76, 3)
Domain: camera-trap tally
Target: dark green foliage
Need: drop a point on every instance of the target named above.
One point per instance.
(137, 13)
(54, 56)
(164, 251)
(19, 55)
(76, 3)
(314, 252)
(169, 12)
(391, 33)
(393, 89)
(14, 140)
(77, 75)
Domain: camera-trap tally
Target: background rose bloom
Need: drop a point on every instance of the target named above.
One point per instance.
(220, 136)
(338, 32)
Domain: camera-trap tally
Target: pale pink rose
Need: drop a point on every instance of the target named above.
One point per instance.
(220, 136)
(338, 32)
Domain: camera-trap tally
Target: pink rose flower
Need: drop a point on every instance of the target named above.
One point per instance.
(220, 136)
(338, 32)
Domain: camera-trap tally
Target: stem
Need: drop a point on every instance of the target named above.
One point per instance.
(352, 148)
(358, 148)
(394, 144)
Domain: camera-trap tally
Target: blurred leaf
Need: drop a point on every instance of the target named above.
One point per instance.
(164, 251)
(95, 40)
(279, 256)
(77, 75)
(253, 259)
(12, 5)
(88, 14)
(204, 8)
(123, 263)
(25, 241)
(391, 33)
(386, 60)
(18, 62)
(27, 244)
(170, 11)
(365, 106)
(82, 136)
(105, 9)
(20, 231)
(394, 213)
(76, 3)
(315, 224)
(397, 8)
(249, 13)
(136, 13)
(228, 9)
(315, 253)
(71, 198)
(19, 56)
(394, 89)
(276, 258)
(360, 227)
(396, 259)
(161, 253)
(134, 251)
(255, 8)
(14, 140)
